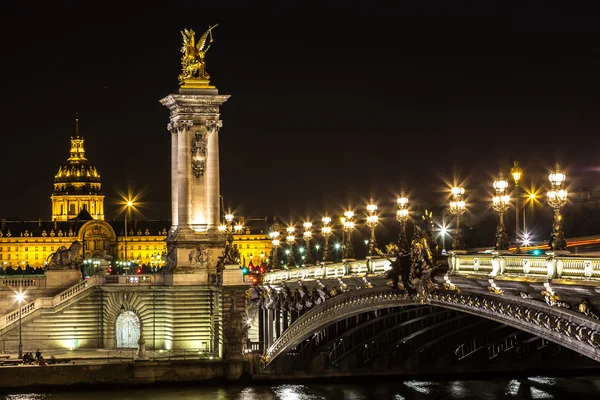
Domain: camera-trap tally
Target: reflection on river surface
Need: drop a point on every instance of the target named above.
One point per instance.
(536, 387)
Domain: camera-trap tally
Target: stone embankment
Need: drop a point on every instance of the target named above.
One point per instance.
(118, 374)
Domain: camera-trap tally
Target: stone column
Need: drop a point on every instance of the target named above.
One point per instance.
(193, 245)
(212, 175)
(184, 194)
(197, 156)
(174, 210)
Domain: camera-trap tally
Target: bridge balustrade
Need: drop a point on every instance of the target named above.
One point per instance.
(150, 279)
(377, 266)
(548, 265)
(519, 265)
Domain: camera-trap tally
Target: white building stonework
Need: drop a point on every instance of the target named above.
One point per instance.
(194, 244)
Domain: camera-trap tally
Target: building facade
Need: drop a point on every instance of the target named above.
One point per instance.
(78, 215)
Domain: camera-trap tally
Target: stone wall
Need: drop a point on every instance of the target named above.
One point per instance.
(171, 318)
(130, 373)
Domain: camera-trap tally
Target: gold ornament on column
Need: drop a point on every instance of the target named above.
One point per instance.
(193, 63)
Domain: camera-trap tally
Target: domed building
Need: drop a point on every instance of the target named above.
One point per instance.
(78, 215)
(77, 185)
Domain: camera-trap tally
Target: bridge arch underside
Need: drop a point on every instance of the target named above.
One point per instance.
(387, 331)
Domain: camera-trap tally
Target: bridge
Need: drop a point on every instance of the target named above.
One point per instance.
(321, 316)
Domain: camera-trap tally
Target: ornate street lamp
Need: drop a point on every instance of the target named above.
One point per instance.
(500, 203)
(517, 174)
(557, 197)
(274, 233)
(348, 228)
(372, 221)
(229, 227)
(307, 236)
(402, 217)
(290, 239)
(457, 208)
(275, 242)
(20, 297)
(326, 232)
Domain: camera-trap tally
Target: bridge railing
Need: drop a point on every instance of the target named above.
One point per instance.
(49, 302)
(550, 265)
(145, 279)
(373, 266)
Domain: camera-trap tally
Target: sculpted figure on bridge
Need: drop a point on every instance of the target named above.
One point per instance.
(411, 271)
(193, 64)
(66, 258)
(422, 264)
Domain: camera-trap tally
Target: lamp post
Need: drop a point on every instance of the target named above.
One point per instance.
(557, 197)
(326, 232)
(275, 242)
(402, 217)
(290, 239)
(20, 297)
(517, 173)
(372, 221)
(500, 203)
(230, 228)
(457, 208)
(274, 233)
(129, 204)
(307, 236)
(348, 228)
(531, 197)
(443, 233)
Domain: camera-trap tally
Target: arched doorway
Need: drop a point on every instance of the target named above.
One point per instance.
(128, 330)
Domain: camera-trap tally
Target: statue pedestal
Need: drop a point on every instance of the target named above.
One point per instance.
(62, 278)
(193, 256)
(232, 276)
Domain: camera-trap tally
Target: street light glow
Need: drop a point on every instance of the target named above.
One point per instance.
(20, 296)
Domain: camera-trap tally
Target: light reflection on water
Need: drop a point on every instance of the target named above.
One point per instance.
(360, 388)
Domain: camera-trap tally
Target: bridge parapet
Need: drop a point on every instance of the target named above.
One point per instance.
(373, 266)
(550, 265)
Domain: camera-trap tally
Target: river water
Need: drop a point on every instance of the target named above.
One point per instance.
(395, 388)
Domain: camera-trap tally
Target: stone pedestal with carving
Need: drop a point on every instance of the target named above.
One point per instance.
(193, 245)
(235, 323)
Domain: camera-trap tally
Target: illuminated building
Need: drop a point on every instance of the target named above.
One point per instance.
(78, 214)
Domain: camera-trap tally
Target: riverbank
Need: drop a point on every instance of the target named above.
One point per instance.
(145, 374)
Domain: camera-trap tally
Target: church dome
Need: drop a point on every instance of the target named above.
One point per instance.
(77, 175)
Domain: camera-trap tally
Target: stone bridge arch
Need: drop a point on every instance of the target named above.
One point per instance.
(568, 328)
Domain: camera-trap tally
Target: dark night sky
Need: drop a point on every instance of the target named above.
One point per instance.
(329, 104)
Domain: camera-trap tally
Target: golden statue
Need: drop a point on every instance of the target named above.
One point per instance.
(193, 66)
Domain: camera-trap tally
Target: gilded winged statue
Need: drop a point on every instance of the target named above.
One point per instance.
(193, 65)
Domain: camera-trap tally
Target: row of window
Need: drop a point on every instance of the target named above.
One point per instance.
(26, 248)
(26, 257)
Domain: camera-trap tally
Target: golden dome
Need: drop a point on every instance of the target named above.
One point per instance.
(77, 175)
